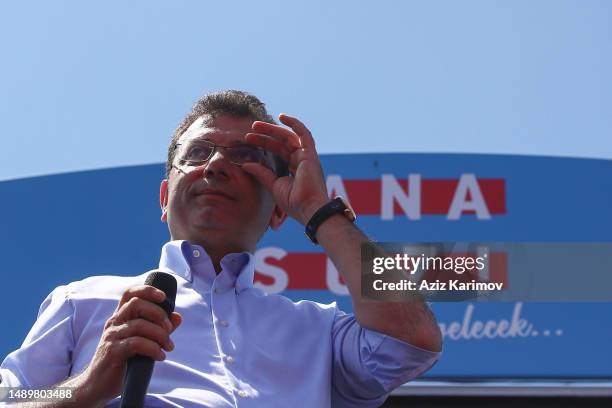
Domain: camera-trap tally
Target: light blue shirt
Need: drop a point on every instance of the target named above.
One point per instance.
(237, 345)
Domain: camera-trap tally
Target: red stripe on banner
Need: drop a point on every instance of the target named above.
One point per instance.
(498, 268)
(436, 195)
(307, 270)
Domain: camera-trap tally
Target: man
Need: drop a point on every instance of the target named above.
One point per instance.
(232, 173)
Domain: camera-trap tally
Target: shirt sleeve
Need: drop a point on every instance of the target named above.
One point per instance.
(368, 365)
(45, 357)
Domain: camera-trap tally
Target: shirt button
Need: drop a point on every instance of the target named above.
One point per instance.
(224, 323)
(229, 359)
(196, 253)
(217, 290)
(243, 393)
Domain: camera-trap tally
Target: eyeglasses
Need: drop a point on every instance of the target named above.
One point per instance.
(196, 152)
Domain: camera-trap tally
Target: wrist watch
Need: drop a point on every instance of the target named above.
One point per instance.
(336, 206)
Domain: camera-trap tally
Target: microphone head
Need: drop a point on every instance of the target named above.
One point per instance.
(166, 283)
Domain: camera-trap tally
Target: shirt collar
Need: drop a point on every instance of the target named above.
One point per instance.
(186, 260)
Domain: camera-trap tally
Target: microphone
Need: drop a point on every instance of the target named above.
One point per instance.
(140, 368)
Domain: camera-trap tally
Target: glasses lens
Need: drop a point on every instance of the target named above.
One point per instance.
(195, 152)
(245, 154)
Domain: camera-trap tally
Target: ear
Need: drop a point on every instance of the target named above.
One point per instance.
(163, 199)
(278, 217)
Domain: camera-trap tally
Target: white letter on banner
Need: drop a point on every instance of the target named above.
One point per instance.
(281, 280)
(392, 191)
(333, 279)
(468, 183)
(335, 187)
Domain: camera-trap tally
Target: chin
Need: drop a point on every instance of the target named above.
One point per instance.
(210, 219)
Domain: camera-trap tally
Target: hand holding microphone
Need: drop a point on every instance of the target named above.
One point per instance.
(138, 332)
(140, 367)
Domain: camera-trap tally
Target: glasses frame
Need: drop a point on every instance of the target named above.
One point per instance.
(215, 146)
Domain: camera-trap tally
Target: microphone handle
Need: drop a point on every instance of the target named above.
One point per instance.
(135, 386)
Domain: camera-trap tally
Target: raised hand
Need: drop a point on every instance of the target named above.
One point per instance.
(302, 192)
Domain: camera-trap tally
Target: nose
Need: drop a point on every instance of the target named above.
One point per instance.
(218, 166)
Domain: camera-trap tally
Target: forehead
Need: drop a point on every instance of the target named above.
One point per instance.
(222, 129)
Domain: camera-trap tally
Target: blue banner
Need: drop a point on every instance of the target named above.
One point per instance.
(62, 228)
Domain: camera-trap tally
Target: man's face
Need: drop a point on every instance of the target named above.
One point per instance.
(217, 204)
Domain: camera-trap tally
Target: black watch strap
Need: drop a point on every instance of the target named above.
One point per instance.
(335, 206)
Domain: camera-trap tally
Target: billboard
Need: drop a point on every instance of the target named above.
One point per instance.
(61, 228)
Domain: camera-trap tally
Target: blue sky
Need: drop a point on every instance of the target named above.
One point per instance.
(90, 85)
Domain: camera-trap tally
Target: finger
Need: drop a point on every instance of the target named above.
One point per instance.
(138, 307)
(299, 128)
(147, 292)
(277, 131)
(268, 143)
(146, 329)
(176, 319)
(141, 346)
(263, 174)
